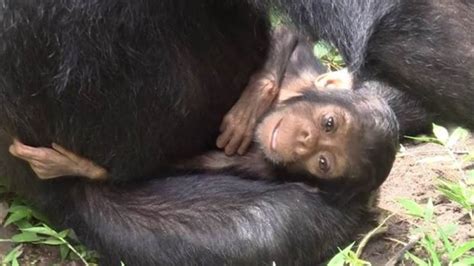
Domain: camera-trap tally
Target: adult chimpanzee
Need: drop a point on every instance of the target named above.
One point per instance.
(122, 81)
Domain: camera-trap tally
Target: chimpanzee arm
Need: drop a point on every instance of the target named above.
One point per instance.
(284, 42)
(238, 124)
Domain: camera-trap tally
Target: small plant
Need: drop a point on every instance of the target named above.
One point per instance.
(435, 239)
(12, 256)
(431, 237)
(34, 230)
(329, 55)
(460, 191)
(347, 257)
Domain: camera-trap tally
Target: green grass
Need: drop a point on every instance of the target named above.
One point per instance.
(460, 191)
(434, 239)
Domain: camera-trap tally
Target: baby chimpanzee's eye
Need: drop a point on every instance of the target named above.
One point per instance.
(328, 123)
(323, 164)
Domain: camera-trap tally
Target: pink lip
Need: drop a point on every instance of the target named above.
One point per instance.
(273, 142)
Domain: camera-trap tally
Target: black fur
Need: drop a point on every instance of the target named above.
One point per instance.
(196, 219)
(413, 118)
(422, 47)
(134, 85)
(142, 75)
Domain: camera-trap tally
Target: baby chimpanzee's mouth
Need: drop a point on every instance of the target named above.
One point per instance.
(273, 141)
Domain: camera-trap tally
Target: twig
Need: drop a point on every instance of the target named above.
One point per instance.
(399, 256)
(377, 230)
(399, 242)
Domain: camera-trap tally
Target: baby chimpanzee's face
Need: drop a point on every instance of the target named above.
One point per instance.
(311, 136)
(335, 135)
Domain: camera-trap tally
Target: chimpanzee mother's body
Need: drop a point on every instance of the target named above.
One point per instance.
(126, 84)
(134, 85)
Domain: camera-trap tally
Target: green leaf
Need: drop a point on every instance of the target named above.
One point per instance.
(26, 237)
(338, 60)
(452, 191)
(465, 262)
(13, 254)
(41, 230)
(23, 224)
(64, 233)
(422, 138)
(321, 49)
(469, 157)
(461, 250)
(448, 246)
(441, 134)
(449, 229)
(340, 257)
(17, 216)
(458, 134)
(417, 260)
(64, 251)
(16, 208)
(52, 242)
(430, 245)
(412, 208)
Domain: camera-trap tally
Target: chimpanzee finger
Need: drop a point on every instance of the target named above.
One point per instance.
(42, 173)
(12, 150)
(26, 152)
(245, 144)
(224, 137)
(63, 151)
(234, 143)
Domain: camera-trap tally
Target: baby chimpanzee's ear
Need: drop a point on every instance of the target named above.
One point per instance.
(341, 79)
(287, 94)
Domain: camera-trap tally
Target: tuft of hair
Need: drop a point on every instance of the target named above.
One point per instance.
(378, 140)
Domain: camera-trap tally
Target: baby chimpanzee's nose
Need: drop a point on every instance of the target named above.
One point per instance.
(305, 140)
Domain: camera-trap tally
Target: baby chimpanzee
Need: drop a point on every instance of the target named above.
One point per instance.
(339, 140)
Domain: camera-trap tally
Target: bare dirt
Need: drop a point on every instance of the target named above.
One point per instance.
(413, 176)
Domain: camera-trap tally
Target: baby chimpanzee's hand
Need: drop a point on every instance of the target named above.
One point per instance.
(238, 126)
(54, 162)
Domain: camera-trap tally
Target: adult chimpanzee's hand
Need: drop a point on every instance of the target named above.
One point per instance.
(54, 162)
(238, 126)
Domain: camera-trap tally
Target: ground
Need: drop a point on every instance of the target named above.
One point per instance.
(413, 176)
